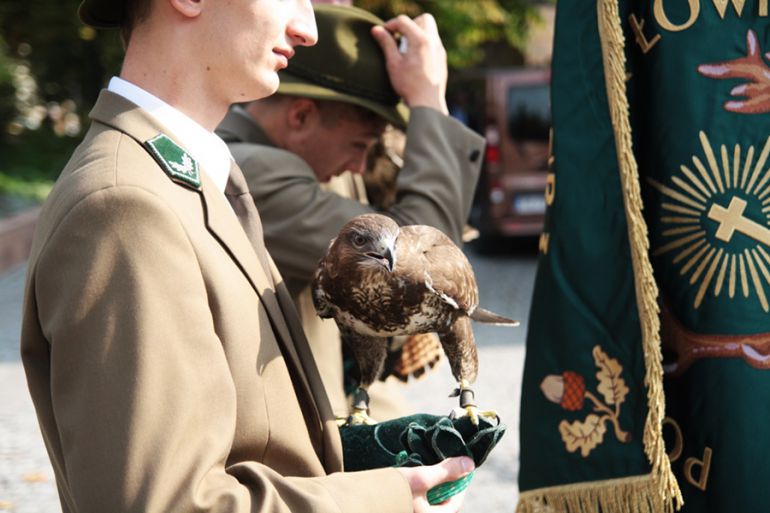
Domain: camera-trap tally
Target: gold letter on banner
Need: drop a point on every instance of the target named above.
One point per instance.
(550, 179)
(763, 7)
(676, 452)
(721, 6)
(550, 188)
(644, 43)
(704, 471)
(542, 245)
(663, 21)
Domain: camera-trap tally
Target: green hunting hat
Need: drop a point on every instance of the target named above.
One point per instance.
(102, 13)
(347, 65)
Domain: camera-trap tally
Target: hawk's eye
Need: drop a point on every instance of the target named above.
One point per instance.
(359, 240)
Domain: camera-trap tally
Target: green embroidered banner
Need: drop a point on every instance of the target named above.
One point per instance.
(592, 401)
(670, 99)
(699, 95)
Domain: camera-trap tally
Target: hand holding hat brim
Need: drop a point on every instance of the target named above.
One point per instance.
(419, 75)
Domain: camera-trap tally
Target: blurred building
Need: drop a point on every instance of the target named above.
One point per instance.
(539, 45)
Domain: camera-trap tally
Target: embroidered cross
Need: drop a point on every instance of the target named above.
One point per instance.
(731, 219)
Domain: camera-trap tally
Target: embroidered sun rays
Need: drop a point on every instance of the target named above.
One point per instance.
(714, 222)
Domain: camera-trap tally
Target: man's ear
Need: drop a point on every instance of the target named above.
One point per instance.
(301, 113)
(187, 8)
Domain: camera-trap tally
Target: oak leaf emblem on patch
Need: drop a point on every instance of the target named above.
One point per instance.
(569, 391)
(185, 167)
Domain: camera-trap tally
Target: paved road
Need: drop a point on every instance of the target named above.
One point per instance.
(26, 478)
(505, 280)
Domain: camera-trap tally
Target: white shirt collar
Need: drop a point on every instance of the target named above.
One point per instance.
(206, 147)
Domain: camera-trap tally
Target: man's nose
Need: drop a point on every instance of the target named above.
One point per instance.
(302, 29)
(357, 165)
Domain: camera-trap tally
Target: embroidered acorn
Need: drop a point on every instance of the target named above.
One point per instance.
(567, 390)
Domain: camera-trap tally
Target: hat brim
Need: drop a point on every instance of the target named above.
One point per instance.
(101, 14)
(397, 115)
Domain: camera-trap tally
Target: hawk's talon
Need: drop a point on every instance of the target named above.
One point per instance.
(468, 407)
(360, 417)
(473, 413)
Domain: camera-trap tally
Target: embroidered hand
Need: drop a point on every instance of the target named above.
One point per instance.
(751, 67)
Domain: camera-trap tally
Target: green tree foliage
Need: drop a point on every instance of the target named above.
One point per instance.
(72, 61)
(469, 28)
(7, 89)
(44, 42)
(50, 66)
(68, 60)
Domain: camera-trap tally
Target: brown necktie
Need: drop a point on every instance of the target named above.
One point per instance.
(237, 193)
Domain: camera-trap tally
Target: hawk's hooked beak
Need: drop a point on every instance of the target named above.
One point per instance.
(390, 259)
(385, 255)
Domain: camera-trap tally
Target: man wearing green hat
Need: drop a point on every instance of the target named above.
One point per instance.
(332, 105)
(163, 354)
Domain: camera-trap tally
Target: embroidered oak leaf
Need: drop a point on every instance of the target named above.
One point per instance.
(583, 435)
(756, 91)
(185, 167)
(611, 384)
(569, 391)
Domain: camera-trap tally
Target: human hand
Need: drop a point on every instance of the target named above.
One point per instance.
(422, 479)
(752, 68)
(418, 75)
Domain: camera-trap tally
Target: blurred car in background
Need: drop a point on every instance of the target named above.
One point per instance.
(511, 108)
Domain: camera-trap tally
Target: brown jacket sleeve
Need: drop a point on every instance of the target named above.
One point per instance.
(435, 187)
(133, 385)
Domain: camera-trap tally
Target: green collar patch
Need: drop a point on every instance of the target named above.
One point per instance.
(176, 162)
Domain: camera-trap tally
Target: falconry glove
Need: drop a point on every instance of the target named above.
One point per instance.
(420, 440)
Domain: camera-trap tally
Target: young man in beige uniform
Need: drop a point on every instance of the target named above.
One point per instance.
(334, 101)
(163, 354)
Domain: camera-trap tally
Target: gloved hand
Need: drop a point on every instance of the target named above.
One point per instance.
(420, 440)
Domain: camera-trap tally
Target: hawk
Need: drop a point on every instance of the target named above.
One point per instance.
(379, 280)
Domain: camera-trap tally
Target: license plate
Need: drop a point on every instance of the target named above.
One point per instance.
(529, 204)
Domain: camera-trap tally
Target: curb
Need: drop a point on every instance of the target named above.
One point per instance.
(16, 237)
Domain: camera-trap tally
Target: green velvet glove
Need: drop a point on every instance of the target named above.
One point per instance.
(420, 440)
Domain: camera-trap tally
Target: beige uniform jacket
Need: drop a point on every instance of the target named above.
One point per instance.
(167, 373)
(300, 217)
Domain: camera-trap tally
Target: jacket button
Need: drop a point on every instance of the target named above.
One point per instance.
(474, 156)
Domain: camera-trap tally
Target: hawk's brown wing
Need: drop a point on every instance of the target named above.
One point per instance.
(412, 356)
(433, 257)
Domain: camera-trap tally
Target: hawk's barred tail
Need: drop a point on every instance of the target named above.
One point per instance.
(487, 317)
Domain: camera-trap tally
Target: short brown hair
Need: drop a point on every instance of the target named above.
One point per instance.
(332, 110)
(136, 11)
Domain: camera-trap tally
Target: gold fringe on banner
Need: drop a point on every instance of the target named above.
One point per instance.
(638, 494)
(613, 43)
(657, 491)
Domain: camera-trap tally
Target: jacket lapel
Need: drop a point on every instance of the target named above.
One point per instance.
(332, 441)
(224, 225)
(239, 127)
(115, 111)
